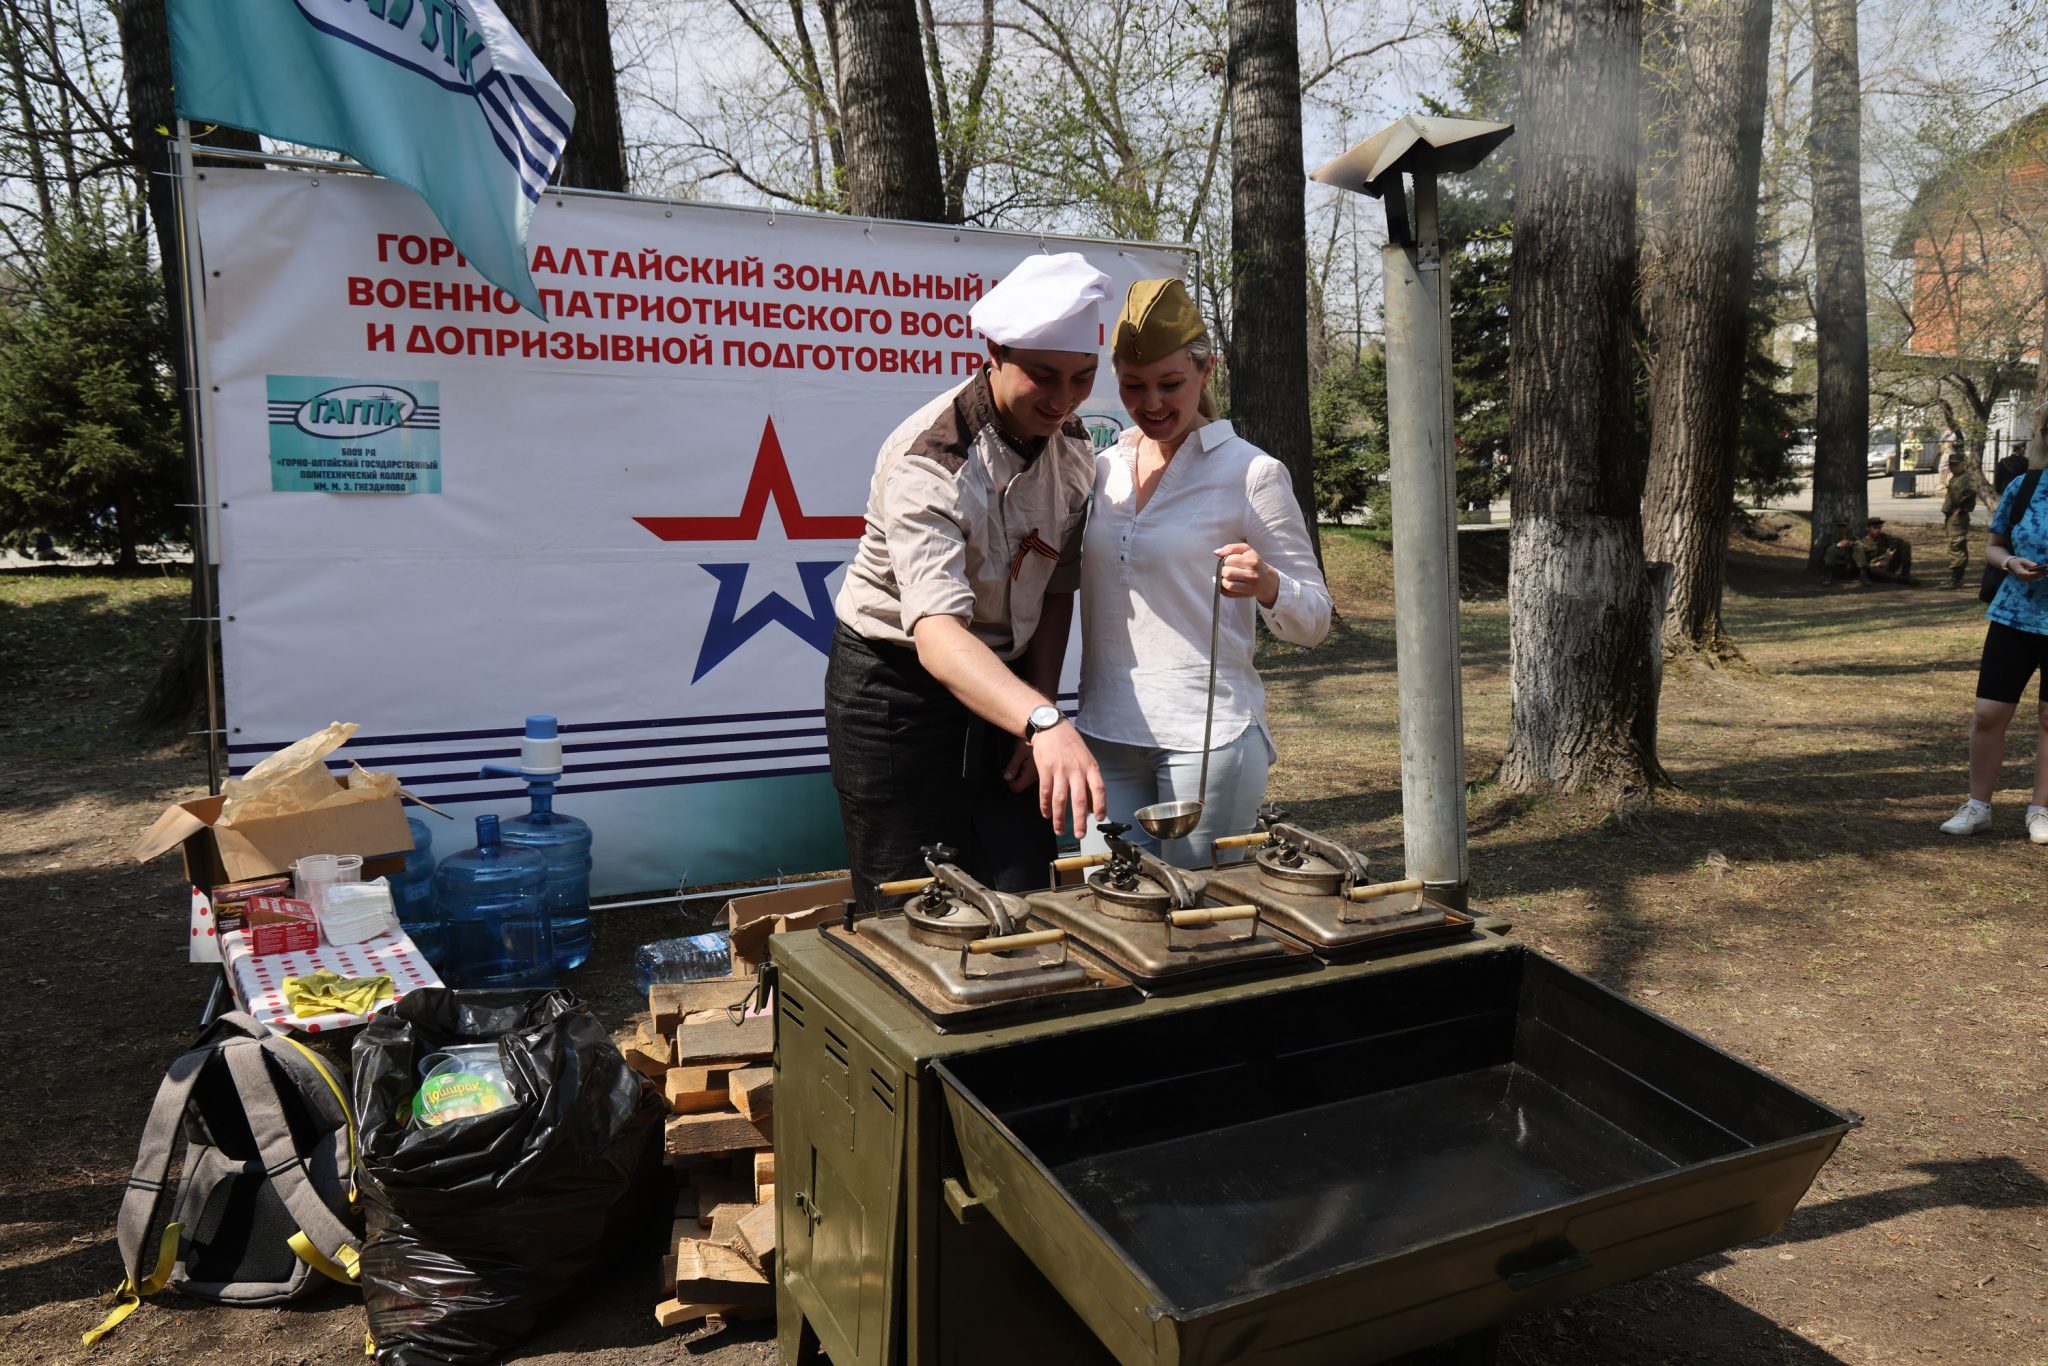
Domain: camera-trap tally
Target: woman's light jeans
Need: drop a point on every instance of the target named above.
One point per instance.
(1139, 775)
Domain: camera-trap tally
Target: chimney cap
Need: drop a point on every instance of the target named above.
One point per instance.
(1413, 142)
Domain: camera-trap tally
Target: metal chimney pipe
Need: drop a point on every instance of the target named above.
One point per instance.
(1424, 478)
(1423, 473)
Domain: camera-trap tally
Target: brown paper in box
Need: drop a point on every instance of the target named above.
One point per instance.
(753, 918)
(256, 848)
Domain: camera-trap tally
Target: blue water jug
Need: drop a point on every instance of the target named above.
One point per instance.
(412, 893)
(564, 842)
(561, 839)
(493, 914)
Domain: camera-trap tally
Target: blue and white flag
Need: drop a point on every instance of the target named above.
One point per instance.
(443, 96)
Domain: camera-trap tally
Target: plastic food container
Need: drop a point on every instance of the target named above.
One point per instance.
(461, 1083)
(313, 874)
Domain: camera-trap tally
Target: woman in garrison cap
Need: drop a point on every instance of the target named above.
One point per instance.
(1179, 491)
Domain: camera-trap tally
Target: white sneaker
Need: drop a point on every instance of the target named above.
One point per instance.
(2037, 825)
(1973, 818)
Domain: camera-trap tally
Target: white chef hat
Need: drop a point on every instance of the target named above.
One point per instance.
(1048, 303)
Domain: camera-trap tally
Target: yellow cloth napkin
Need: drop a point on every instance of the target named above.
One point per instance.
(329, 993)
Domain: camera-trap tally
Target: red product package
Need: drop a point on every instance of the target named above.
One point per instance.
(277, 924)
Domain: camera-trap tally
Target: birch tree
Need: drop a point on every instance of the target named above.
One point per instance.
(1702, 285)
(1268, 347)
(1841, 317)
(1582, 697)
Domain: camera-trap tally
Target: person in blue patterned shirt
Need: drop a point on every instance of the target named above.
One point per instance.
(2015, 649)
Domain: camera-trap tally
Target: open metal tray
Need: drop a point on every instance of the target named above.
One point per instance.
(1351, 1171)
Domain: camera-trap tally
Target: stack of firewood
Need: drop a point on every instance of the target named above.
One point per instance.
(714, 1065)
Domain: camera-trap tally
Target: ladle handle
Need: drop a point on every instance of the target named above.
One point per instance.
(905, 887)
(1003, 943)
(1029, 939)
(1211, 915)
(1379, 889)
(1209, 713)
(1195, 917)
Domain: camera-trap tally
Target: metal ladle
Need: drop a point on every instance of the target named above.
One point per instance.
(1173, 820)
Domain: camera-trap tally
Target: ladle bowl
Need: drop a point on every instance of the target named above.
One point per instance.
(1168, 820)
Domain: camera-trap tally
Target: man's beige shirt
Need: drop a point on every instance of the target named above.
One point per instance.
(961, 524)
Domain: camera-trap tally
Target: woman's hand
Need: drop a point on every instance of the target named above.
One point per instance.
(2023, 569)
(1245, 575)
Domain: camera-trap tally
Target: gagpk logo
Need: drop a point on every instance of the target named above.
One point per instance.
(355, 410)
(409, 33)
(1103, 429)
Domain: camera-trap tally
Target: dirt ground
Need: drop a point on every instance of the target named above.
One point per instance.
(1790, 899)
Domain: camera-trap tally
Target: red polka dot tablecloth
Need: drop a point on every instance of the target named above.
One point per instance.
(258, 982)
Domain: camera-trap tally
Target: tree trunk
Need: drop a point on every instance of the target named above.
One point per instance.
(146, 70)
(1268, 343)
(1841, 318)
(573, 39)
(1582, 684)
(1702, 312)
(885, 113)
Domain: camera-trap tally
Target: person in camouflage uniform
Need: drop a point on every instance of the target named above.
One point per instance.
(1957, 503)
(1883, 556)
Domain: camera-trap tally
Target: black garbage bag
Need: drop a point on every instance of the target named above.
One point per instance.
(478, 1227)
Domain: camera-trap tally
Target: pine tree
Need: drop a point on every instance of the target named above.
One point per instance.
(89, 445)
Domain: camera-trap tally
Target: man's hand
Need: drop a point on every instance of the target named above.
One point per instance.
(1068, 780)
(1021, 772)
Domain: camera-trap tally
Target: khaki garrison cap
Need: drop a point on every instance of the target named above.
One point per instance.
(1158, 319)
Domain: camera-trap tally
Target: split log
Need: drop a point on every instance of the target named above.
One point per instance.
(692, 1090)
(753, 1091)
(671, 1001)
(690, 1135)
(673, 1313)
(710, 1036)
(709, 1273)
(757, 1236)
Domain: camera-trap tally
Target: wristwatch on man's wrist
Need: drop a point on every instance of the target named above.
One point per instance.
(1043, 717)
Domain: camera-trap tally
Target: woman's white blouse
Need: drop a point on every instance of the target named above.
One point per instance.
(1146, 580)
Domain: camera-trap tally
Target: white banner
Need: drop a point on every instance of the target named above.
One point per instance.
(438, 515)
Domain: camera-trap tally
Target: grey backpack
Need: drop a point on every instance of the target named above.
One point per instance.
(263, 1196)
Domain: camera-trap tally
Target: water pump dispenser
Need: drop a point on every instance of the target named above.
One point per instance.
(561, 839)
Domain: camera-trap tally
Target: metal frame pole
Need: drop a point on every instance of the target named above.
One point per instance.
(199, 413)
(1424, 479)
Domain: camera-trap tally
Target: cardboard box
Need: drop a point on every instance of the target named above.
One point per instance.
(375, 829)
(276, 924)
(751, 919)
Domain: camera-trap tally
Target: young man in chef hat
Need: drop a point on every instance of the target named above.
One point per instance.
(953, 619)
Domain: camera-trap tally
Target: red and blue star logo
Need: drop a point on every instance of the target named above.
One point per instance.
(730, 627)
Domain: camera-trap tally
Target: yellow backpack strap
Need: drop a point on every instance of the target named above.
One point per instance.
(129, 1297)
(342, 1267)
(319, 1226)
(148, 1182)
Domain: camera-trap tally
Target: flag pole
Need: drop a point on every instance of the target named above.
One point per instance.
(199, 414)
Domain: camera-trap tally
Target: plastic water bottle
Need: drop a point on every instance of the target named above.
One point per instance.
(687, 958)
(561, 839)
(412, 893)
(494, 921)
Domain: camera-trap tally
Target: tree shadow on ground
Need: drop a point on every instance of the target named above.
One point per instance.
(1757, 810)
(1677, 1316)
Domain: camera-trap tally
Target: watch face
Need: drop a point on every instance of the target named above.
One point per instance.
(1043, 718)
